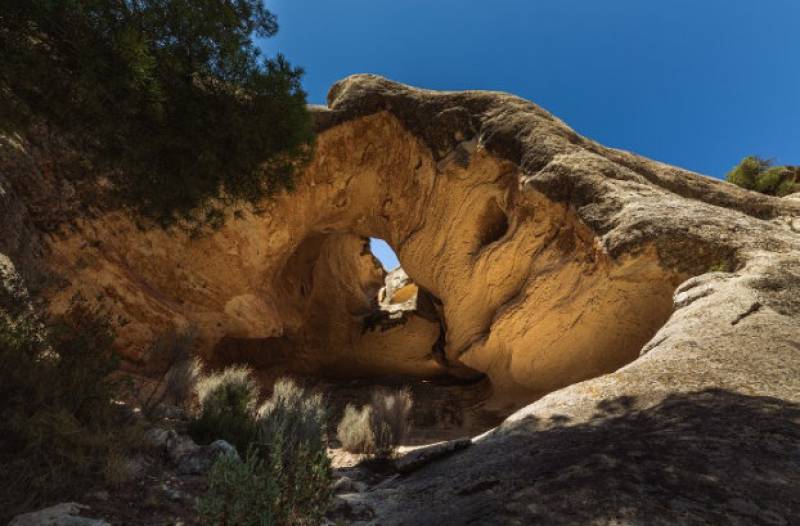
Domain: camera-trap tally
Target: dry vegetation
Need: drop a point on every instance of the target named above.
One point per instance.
(378, 427)
(63, 430)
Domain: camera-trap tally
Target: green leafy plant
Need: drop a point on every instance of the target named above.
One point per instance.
(292, 436)
(285, 478)
(240, 493)
(228, 401)
(755, 173)
(171, 99)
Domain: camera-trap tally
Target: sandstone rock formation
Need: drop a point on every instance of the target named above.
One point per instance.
(541, 259)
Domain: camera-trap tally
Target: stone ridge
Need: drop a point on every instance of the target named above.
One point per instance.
(518, 130)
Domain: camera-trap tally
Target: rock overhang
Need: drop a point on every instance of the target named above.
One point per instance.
(535, 241)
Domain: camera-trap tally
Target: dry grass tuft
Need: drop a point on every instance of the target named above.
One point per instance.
(378, 427)
(354, 430)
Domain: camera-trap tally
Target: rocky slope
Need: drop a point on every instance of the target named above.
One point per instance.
(542, 259)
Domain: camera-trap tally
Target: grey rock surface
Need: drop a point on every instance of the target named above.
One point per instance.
(200, 460)
(702, 428)
(65, 514)
(177, 445)
(422, 456)
(158, 437)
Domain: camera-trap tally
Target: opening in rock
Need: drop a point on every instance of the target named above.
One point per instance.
(503, 295)
(351, 327)
(381, 250)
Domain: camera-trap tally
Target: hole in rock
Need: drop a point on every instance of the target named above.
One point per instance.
(385, 254)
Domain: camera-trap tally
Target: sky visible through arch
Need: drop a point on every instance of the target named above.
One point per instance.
(384, 253)
(698, 84)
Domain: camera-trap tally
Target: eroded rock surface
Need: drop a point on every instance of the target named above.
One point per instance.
(546, 260)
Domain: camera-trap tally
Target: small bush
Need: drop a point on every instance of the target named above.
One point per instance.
(379, 427)
(294, 414)
(240, 493)
(286, 476)
(355, 430)
(291, 436)
(227, 408)
(390, 419)
(180, 382)
(754, 173)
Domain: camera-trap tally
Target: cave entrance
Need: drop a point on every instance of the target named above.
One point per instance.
(502, 281)
(355, 321)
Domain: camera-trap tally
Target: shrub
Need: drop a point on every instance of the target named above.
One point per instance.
(355, 431)
(291, 436)
(390, 419)
(754, 173)
(58, 426)
(240, 493)
(227, 408)
(180, 382)
(286, 477)
(378, 427)
(294, 414)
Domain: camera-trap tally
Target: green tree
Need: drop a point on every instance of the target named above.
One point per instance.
(172, 98)
(755, 173)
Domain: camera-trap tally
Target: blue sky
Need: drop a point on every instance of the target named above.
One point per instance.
(696, 83)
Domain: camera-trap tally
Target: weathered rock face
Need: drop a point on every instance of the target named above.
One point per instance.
(544, 258)
(541, 259)
(547, 259)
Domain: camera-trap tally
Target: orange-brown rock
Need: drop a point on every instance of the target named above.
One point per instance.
(545, 258)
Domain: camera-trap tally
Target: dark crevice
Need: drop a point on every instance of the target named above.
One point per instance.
(492, 224)
(755, 307)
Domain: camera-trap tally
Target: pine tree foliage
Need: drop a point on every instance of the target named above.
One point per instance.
(755, 173)
(171, 97)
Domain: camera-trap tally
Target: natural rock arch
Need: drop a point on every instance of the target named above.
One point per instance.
(548, 258)
(525, 293)
(700, 428)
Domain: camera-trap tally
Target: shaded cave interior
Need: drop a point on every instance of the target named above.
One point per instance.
(338, 295)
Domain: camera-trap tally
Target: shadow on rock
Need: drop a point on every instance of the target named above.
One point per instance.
(710, 457)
